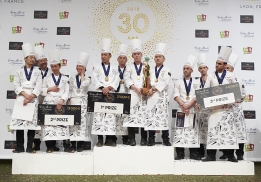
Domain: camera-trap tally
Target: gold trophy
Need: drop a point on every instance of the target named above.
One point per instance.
(146, 79)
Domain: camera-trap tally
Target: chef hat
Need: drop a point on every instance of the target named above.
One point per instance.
(54, 56)
(106, 45)
(83, 59)
(39, 52)
(123, 50)
(232, 60)
(224, 54)
(191, 61)
(161, 48)
(202, 61)
(27, 49)
(135, 45)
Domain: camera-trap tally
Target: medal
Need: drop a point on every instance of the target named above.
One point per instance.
(220, 80)
(157, 72)
(58, 81)
(138, 71)
(187, 87)
(122, 82)
(121, 74)
(106, 72)
(78, 91)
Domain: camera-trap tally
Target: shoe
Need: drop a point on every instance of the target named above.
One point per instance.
(36, 148)
(49, 150)
(56, 149)
(70, 150)
(224, 156)
(208, 159)
(166, 141)
(132, 142)
(195, 156)
(179, 157)
(126, 142)
(151, 141)
(232, 159)
(99, 143)
(143, 142)
(18, 150)
(110, 143)
(79, 149)
(30, 150)
(240, 158)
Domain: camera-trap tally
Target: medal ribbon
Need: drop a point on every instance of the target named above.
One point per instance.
(28, 76)
(121, 72)
(78, 81)
(158, 72)
(220, 80)
(202, 83)
(58, 81)
(106, 72)
(188, 87)
(138, 70)
(45, 73)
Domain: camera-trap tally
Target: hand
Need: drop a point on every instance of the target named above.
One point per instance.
(27, 96)
(186, 106)
(68, 102)
(187, 112)
(136, 89)
(105, 91)
(197, 106)
(150, 93)
(59, 104)
(26, 101)
(110, 88)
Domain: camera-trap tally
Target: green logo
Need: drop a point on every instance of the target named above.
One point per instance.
(11, 78)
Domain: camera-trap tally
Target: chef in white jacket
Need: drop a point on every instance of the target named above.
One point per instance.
(157, 114)
(133, 79)
(79, 84)
(55, 91)
(27, 86)
(105, 79)
(186, 135)
(222, 132)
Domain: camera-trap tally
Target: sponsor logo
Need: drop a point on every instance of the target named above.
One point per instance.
(8, 128)
(251, 130)
(246, 19)
(12, 1)
(248, 82)
(87, 145)
(202, 49)
(249, 98)
(202, 2)
(249, 147)
(40, 43)
(63, 62)
(15, 45)
(10, 144)
(247, 66)
(201, 18)
(219, 47)
(11, 78)
(64, 15)
(224, 34)
(19, 14)
(40, 14)
(201, 33)
(250, 114)
(15, 62)
(63, 46)
(247, 50)
(247, 34)
(41, 30)
(63, 30)
(9, 111)
(224, 18)
(10, 94)
(17, 29)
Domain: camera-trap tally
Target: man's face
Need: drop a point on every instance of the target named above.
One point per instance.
(203, 70)
(187, 70)
(30, 60)
(122, 60)
(42, 63)
(105, 57)
(55, 68)
(137, 56)
(220, 66)
(80, 68)
(229, 68)
(159, 59)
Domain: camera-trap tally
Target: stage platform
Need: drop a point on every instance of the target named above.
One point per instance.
(123, 160)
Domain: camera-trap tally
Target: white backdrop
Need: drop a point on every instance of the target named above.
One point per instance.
(170, 21)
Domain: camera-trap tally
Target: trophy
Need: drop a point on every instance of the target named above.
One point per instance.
(146, 79)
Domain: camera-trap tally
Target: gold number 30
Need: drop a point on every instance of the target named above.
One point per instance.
(127, 23)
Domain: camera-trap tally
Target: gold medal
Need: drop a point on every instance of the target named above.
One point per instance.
(187, 98)
(156, 80)
(122, 82)
(106, 78)
(138, 77)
